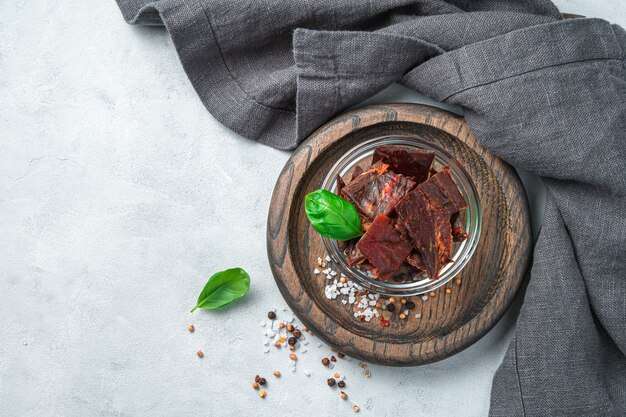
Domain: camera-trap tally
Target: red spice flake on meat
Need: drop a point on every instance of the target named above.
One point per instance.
(384, 247)
(377, 190)
(406, 161)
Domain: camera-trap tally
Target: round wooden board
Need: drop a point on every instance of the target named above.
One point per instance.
(449, 322)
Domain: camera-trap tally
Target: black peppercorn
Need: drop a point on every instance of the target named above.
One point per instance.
(331, 382)
(257, 379)
(391, 307)
(340, 355)
(341, 384)
(262, 381)
(271, 315)
(410, 305)
(292, 341)
(297, 333)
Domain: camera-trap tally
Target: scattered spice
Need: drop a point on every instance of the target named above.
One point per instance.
(255, 385)
(290, 328)
(305, 328)
(341, 384)
(325, 361)
(277, 344)
(262, 381)
(355, 408)
(340, 355)
(367, 373)
(391, 308)
(403, 301)
(363, 365)
(333, 359)
(392, 299)
(384, 323)
(292, 341)
(337, 375)
(257, 378)
(432, 294)
(292, 348)
(282, 339)
(277, 374)
(262, 394)
(457, 281)
(344, 396)
(281, 325)
(410, 305)
(191, 328)
(448, 290)
(402, 316)
(297, 334)
(331, 382)
(200, 353)
(271, 315)
(292, 356)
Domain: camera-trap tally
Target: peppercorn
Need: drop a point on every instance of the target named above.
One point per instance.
(281, 325)
(331, 382)
(457, 281)
(292, 348)
(342, 280)
(410, 305)
(432, 294)
(403, 301)
(262, 381)
(257, 378)
(255, 385)
(306, 329)
(333, 359)
(292, 341)
(292, 356)
(277, 344)
(262, 394)
(341, 384)
(297, 334)
(271, 315)
(367, 373)
(200, 353)
(191, 328)
(402, 316)
(363, 365)
(392, 300)
(340, 355)
(290, 328)
(276, 374)
(325, 361)
(391, 308)
(344, 396)
(448, 290)
(337, 376)
(355, 408)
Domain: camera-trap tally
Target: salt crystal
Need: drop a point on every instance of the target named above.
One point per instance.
(418, 316)
(293, 369)
(266, 351)
(424, 297)
(263, 323)
(406, 312)
(344, 302)
(319, 345)
(303, 350)
(307, 372)
(270, 333)
(266, 342)
(316, 271)
(333, 273)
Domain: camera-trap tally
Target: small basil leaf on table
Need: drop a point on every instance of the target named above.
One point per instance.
(223, 288)
(332, 216)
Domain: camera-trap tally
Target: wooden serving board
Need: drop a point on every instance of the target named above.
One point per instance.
(449, 322)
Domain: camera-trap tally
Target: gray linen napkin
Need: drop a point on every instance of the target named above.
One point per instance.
(547, 95)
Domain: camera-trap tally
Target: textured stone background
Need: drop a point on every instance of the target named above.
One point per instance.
(119, 196)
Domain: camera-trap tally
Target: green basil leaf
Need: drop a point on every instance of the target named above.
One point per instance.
(332, 216)
(223, 288)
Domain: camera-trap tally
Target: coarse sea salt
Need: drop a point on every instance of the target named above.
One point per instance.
(424, 297)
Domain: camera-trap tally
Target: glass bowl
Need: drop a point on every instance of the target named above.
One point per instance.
(461, 251)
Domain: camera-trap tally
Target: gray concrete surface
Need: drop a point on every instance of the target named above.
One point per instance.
(119, 196)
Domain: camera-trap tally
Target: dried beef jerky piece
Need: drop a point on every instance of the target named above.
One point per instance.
(428, 225)
(354, 255)
(384, 247)
(357, 171)
(458, 228)
(405, 160)
(340, 185)
(416, 261)
(443, 180)
(377, 190)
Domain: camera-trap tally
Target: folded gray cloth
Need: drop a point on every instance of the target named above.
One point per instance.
(547, 95)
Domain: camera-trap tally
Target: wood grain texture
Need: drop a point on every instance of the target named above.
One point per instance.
(450, 322)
